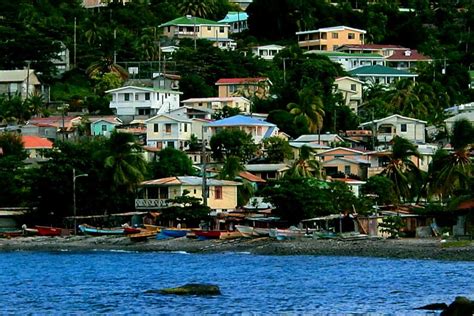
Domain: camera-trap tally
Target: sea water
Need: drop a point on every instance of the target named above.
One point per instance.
(80, 283)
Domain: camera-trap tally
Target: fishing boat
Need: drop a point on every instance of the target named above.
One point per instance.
(171, 233)
(48, 231)
(29, 231)
(95, 231)
(230, 235)
(142, 236)
(261, 232)
(285, 234)
(12, 233)
(207, 234)
(246, 231)
(131, 230)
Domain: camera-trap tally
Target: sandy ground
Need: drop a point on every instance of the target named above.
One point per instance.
(400, 248)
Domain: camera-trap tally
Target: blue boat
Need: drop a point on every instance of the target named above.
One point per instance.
(94, 231)
(171, 233)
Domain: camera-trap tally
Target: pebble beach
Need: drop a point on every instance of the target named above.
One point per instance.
(390, 248)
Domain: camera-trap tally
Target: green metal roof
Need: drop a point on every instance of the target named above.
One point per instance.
(189, 21)
(471, 74)
(348, 55)
(379, 70)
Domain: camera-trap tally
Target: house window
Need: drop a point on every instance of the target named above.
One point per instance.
(221, 29)
(167, 128)
(334, 47)
(353, 87)
(259, 131)
(126, 96)
(347, 169)
(338, 156)
(170, 144)
(218, 193)
(155, 128)
(351, 36)
(403, 127)
(147, 96)
(163, 193)
(104, 128)
(13, 88)
(152, 192)
(232, 88)
(136, 97)
(335, 35)
(185, 128)
(208, 28)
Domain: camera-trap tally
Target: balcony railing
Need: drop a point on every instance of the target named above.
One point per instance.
(150, 203)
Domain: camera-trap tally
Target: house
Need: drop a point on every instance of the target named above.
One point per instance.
(258, 129)
(164, 81)
(406, 59)
(130, 101)
(19, 82)
(271, 171)
(345, 161)
(396, 125)
(218, 103)
(92, 4)
(103, 126)
(465, 115)
(267, 52)
(246, 87)
(168, 131)
(381, 74)
(385, 50)
(296, 148)
(198, 28)
(54, 127)
(154, 194)
(236, 20)
(61, 62)
(330, 38)
(322, 139)
(351, 61)
(190, 112)
(36, 147)
(353, 184)
(351, 90)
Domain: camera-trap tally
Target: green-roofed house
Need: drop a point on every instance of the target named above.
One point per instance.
(380, 74)
(199, 28)
(350, 61)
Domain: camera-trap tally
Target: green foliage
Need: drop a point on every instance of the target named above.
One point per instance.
(226, 111)
(392, 226)
(233, 142)
(185, 207)
(171, 162)
(306, 165)
(231, 168)
(382, 188)
(277, 149)
(106, 81)
(462, 134)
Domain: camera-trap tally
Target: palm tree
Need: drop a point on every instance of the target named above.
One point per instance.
(310, 107)
(410, 99)
(125, 161)
(401, 169)
(106, 65)
(231, 168)
(199, 8)
(454, 170)
(305, 166)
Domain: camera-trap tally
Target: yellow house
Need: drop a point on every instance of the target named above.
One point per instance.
(330, 38)
(154, 194)
(345, 161)
(199, 28)
(351, 90)
(245, 87)
(216, 103)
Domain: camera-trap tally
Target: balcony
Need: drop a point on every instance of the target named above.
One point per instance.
(150, 204)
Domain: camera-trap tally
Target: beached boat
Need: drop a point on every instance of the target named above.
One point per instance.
(230, 235)
(95, 231)
(246, 231)
(131, 230)
(207, 234)
(11, 233)
(284, 234)
(48, 231)
(261, 232)
(171, 233)
(142, 236)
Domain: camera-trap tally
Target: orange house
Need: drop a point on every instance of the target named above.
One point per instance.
(330, 38)
(345, 160)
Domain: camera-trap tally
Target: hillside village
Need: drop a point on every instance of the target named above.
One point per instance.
(326, 121)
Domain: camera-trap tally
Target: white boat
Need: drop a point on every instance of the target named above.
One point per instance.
(290, 233)
(262, 232)
(246, 231)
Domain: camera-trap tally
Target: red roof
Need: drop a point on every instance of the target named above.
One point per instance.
(30, 142)
(404, 55)
(251, 177)
(240, 80)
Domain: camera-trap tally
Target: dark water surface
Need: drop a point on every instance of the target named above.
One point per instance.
(115, 283)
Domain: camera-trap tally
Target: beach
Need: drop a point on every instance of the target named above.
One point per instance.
(389, 248)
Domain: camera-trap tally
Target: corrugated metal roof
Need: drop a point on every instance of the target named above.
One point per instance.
(332, 29)
(267, 167)
(30, 142)
(315, 137)
(15, 75)
(188, 180)
(190, 21)
(379, 70)
(224, 81)
(251, 177)
(233, 16)
(240, 120)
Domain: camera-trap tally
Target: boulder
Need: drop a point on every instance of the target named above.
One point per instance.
(434, 307)
(192, 289)
(462, 306)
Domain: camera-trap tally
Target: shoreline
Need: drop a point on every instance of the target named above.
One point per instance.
(431, 249)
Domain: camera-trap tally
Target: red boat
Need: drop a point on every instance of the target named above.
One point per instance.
(131, 230)
(207, 234)
(48, 231)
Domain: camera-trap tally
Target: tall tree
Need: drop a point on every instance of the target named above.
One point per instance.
(311, 108)
(305, 166)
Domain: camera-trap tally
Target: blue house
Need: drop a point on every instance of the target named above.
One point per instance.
(104, 126)
(236, 20)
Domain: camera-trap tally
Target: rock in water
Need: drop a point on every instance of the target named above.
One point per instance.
(462, 306)
(434, 307)
(193, 289)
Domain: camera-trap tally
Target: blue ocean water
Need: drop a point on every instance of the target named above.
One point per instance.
(58, 283)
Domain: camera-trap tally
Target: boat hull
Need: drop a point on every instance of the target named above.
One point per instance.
(211, 234)
(172, 233)
(94, 231)
(48, 231)
(246, 231)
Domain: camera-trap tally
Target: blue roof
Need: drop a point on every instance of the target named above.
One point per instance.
(232, 17)
(269, 132)
(240, 120)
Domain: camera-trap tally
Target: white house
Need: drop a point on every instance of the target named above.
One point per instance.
(131, 101)
(381, 74)
(350, 61)
(351, 90)
(396, 125)
(466, 116)
(167, 131)
(267, 52)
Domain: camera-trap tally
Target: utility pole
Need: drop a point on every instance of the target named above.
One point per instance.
(115, 40)
(194, 33)
(75, 42)
(203, 163)
(284, 69)
(27, 78)
(74, 177)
